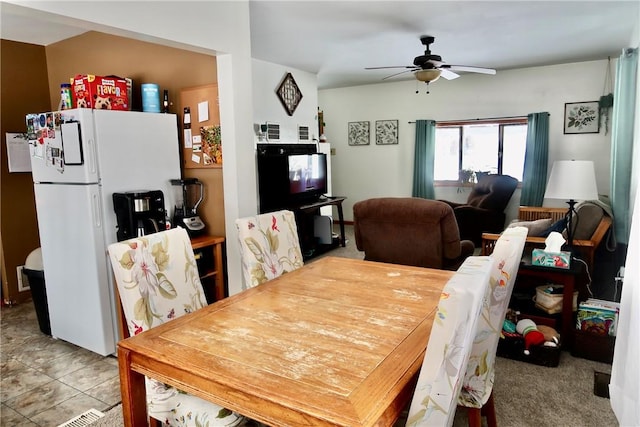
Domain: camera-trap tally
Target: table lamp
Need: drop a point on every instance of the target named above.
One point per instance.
(572, 180)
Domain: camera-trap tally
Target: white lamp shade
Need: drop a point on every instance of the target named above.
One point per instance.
(572, 180)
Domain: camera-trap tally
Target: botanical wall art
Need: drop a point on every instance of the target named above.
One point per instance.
(211, 144)
(581, 117)
(386, 132)
(358, 133)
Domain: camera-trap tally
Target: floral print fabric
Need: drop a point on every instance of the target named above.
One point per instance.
(478, 381)
(157, 279)
(447, 354)
(269, 246)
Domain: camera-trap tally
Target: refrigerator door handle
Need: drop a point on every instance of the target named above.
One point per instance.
(97, 218)
(92, 156)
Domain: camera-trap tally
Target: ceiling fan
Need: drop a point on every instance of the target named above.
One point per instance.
(429, 68)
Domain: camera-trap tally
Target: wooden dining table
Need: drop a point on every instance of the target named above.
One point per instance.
(337, 342)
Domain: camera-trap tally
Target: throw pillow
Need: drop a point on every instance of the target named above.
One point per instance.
(536, 228)
(559, 227)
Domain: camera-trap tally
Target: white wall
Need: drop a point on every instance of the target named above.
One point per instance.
(268, 108)
(361, 172)
(266, 78)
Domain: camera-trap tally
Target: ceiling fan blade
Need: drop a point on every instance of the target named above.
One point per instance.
(393, 66)
(447, 74)
(397, 74)
(469, 69)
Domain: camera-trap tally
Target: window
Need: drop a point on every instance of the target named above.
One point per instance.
(495, 147)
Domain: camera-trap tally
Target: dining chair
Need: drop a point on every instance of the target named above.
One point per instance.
(477, 387)
(269, 246)
(157, 281)
(450, 343)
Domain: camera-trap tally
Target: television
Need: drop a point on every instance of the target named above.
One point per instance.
(287, 180)
(307, 175)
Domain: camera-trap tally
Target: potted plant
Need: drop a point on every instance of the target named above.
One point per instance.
(466, 175)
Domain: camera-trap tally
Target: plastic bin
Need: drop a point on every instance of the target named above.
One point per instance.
(34, 272)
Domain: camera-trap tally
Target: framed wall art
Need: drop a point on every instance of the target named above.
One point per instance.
(581, 117)
(358, 133)
(386, 132)
(289, 94)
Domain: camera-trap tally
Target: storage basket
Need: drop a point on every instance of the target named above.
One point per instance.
(551, 302)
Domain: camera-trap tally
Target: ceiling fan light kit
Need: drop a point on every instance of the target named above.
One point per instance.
(427, 75)
(430, 67)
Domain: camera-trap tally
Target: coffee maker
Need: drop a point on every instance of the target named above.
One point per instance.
(185, 214)
(139, 213)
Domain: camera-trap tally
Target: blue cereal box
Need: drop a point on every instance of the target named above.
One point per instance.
(551, 259)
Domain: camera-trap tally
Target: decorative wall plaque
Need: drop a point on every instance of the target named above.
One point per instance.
(289, 94)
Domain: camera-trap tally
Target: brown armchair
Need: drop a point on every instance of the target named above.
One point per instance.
(409, 231)
(484, 210)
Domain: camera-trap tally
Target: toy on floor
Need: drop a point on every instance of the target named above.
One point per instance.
(532, 336)
(551, 336)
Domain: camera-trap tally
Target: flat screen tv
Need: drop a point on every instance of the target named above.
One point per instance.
(286, 180)
(307, 175)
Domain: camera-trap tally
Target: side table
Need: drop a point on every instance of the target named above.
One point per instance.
(565, 277)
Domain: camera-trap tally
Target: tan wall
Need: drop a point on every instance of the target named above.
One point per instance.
(36, 72)
(170, 68)
(25, 89)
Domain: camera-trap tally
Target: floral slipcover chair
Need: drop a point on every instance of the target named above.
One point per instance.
(447, 354)
(269, 246)
(158, 280)
(478, 382)
(462, 347)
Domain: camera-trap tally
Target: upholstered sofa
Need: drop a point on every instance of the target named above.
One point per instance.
(591, 227)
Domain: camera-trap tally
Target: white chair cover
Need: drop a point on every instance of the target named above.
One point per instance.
(478, 381)
(269, 246)
(440, 380)
(158, 280)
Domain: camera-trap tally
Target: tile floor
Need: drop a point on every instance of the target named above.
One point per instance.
(44, 381)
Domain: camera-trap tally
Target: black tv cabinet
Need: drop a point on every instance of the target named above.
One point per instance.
(305, 214)
(272, 162)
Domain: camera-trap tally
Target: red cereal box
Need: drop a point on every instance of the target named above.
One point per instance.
(107, 93)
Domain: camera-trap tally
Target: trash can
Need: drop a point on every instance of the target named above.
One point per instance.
(34, 271)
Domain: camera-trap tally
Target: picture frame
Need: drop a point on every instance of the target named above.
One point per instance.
(289, 94)
(386, 132)
(358, 133)
(581, 117)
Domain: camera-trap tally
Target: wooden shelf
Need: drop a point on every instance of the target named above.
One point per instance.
(208, 253)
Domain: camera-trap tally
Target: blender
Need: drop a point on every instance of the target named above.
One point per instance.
(185, 214)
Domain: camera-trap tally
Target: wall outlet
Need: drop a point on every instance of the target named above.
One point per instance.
(333, 151)
(21, 286)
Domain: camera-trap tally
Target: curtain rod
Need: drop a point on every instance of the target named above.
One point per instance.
(480, 120)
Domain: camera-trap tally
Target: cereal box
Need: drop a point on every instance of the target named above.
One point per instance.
(107, 93)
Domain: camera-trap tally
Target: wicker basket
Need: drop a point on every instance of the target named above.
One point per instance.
(552, 302)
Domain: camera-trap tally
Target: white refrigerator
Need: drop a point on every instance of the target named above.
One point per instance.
(79, 158)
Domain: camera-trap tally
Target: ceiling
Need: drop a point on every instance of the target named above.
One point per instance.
(337, 39)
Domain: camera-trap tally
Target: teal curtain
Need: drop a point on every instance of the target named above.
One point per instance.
(534, 179)
(425, 153)
(624, 106)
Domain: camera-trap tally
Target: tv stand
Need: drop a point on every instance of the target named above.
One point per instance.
(305, 213)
